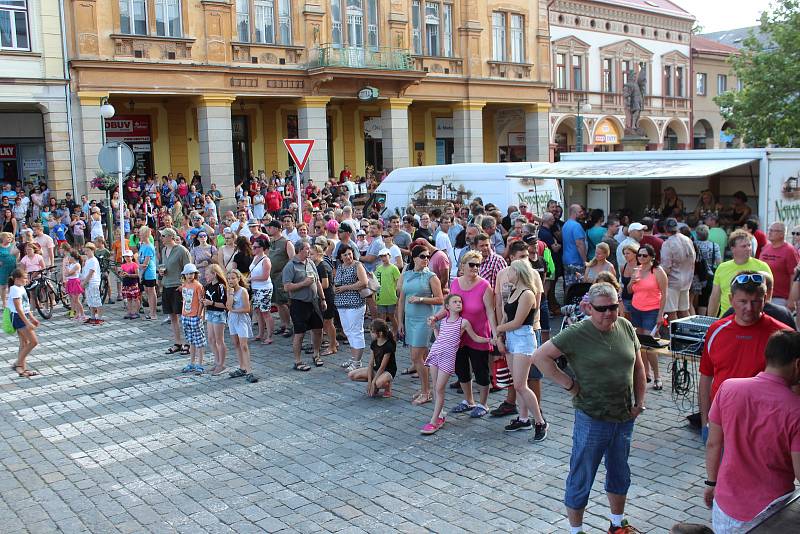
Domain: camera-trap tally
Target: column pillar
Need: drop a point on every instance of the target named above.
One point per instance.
(56, 138)
(215, 140)
(394, 124)
(89, 138)
(468, 132)
(312, 123)
(537, 132)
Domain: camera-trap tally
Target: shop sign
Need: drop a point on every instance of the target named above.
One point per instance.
(32, 164)
(368, 94)
(8, 151)
(444, 128)
(516, 139)
(606, 133)
(129, 129)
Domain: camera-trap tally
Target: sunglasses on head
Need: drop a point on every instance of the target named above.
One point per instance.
(473, 265)
(745, 278)
(603, 309)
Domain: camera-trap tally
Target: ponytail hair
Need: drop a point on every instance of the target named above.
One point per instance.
(380, 327)
(16, 273)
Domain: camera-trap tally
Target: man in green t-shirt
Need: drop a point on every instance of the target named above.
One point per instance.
(387, 274)
(608, 394)
(742, 248)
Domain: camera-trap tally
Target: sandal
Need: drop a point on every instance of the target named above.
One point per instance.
(238, 373)
(658, 386)
(408, 371)
(288, 333)
(279, 331)
(174, 348)
(185, 349)
(300, 366)
(329, 353)
(422, 399)
(266, 341)
(318, 361)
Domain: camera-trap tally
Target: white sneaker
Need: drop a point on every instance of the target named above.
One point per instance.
(346, 364)
(165, 320)
(353, 366)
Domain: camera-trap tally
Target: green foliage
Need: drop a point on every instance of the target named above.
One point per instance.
(767, 109)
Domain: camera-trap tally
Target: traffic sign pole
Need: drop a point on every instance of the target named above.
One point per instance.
(120, 201)
(299, 150)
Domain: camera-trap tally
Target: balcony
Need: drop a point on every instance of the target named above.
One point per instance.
(510, 70)
(152, 47)
(352, 57)
(439, 66)
(267, 54)
(568, 100)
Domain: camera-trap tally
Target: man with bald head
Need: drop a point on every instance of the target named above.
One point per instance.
(574, 238)
(782, 258)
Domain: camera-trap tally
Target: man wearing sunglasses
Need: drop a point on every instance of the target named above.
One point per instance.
(734, 346)
(605, 355)
(741, 247)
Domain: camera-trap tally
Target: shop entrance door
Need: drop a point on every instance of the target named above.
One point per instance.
(241, 148)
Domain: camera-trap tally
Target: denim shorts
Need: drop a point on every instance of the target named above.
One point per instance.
(521, 341)
(216, 317)
(592, 439)
(645, 320)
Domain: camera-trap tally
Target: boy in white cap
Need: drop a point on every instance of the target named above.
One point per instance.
(192, 318)
(387, 275)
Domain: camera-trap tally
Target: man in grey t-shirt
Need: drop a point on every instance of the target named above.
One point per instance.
(401, 238)
(301, 282)
(371, 259)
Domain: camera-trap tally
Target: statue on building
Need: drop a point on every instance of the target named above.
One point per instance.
(633, 93)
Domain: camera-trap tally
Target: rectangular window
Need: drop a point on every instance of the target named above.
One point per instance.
(668, 80)
(679, 90)
(627, 66)
(372, 25)
(608, 75)
(355, 23)
(416, 27)
(432, 28)
(132, 17)
(561, 71)
(722, 83)
(243, 20)
(498, 36)
(168, 18)
(336, 22)
(701, 80)
(739, 84)
(285, 21)
(264, 23)
(447, 30)
(577, 73)
(517, 39)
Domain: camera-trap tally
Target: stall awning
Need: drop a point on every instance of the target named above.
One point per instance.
(631, 170)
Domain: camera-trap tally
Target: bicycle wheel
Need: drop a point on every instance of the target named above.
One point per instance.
(104, 289)
(44, 306)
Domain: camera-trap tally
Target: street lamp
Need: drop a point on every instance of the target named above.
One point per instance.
(106, 112)
(583, 107)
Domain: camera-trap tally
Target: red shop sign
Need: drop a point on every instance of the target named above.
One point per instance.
(8, 151)
(129, 128)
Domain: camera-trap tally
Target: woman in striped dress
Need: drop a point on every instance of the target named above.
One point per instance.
(442, 356)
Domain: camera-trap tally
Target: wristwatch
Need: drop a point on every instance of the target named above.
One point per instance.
(642, 408)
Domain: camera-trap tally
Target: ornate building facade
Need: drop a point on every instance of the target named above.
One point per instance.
(216, 85)
(34, 133)
(713, 76)
(595, 46)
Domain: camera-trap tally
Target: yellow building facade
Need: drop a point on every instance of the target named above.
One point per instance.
(216, 85)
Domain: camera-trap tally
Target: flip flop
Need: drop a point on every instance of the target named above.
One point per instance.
(408, 371)
(422, 399)
(266, 342)
(301, 367)
(174, 348)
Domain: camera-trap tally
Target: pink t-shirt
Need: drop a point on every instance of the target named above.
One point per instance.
(440, 264)
(760, 419)
(782, 260)
(32, 264)
(474, 311)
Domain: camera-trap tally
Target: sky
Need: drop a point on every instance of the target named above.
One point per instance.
(717, 15)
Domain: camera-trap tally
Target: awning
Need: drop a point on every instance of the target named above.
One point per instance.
(631, 170)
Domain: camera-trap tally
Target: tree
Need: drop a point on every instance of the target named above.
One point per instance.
(767, 108)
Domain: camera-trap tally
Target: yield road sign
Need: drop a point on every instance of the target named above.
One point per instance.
(299, 150)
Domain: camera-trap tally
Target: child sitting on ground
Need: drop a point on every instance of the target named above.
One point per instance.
(382, 365)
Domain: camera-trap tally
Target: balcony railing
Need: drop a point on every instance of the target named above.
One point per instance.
(354, 57)
(614, 101)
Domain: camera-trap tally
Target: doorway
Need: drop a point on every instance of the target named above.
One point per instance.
(241, 148)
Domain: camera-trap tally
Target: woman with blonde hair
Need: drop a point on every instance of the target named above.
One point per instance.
(599, 263)
(519, 315)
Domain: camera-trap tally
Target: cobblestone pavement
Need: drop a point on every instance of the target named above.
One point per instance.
(112, 438)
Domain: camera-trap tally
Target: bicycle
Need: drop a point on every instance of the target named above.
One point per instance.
(46, 291)
(107, 266)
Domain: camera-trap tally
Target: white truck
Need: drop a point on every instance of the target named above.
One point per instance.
(770, 177)
(435, 185)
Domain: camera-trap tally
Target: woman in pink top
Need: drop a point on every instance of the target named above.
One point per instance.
(649, 287)
(32, 260)
(478, 299)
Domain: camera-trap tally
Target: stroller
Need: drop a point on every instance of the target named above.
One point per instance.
(571, 310)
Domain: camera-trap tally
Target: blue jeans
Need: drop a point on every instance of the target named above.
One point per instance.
(544, 315)
(593, 439)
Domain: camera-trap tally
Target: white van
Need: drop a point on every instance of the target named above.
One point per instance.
(435, 185)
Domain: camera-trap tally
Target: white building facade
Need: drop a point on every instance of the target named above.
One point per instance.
(595, 44)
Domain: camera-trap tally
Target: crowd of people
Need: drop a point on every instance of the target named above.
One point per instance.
(470, 291)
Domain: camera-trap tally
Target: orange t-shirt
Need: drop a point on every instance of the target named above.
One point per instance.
(192, 292)
(116, 250)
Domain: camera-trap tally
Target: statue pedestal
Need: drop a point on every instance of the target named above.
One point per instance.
(634, 142)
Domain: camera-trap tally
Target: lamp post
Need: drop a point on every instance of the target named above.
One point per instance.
(106, 112)
(583, 107)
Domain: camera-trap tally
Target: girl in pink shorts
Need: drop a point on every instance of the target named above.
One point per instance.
(72, 277)
(442, 356)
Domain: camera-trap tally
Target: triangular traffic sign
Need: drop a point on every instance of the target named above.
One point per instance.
(299, 149)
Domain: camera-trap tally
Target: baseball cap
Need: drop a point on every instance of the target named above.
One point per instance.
(169, 232)
(530, 239)
(189, 268)
(253, 222)
(360, 233)
(384, 252)
(128, 252)
(344, 227)
(671, 223)
(636, 226)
